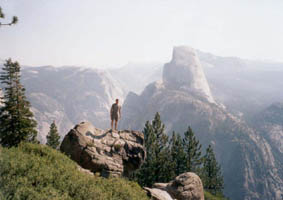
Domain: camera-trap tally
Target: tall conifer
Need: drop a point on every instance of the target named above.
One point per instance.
(211, 173)
(157, 165)
(192, 148)
(16, 119)
(177, 153)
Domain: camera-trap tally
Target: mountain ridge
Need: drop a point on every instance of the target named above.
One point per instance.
(68, 95)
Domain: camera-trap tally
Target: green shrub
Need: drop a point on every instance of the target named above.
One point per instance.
(33, 171)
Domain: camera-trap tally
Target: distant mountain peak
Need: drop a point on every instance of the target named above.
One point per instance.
(185, 72)
(183, 54)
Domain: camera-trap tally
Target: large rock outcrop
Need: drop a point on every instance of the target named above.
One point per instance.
(185, 72)
(186, 186)
(109, 153)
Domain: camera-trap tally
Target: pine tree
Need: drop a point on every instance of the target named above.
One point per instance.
(16, 119)
(157, 166)
(192, 148)
(211, 173)
(53, 137)
(177, 153)
(2, 16)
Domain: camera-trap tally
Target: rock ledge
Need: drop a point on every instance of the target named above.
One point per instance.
(110, 153)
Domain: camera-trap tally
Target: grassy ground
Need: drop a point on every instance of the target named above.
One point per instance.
(33, 171)
(209, 196)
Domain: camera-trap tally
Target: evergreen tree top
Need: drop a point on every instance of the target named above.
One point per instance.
(53, 137)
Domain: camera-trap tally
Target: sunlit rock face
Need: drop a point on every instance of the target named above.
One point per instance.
(111, 153)
(185, 72)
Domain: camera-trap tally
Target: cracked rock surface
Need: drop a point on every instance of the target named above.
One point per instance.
(111, 153)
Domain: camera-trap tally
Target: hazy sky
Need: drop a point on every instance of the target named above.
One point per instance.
(103, 33)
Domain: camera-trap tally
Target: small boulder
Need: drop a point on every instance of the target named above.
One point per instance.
(110, 153)
(187, 186)
(157, 194)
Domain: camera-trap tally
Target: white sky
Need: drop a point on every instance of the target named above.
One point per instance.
(104, 33)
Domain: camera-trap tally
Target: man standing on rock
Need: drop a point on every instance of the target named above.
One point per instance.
(115, 113)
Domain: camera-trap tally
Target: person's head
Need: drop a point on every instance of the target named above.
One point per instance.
(117, 101)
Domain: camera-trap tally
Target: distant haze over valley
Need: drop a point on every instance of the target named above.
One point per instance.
(245, 87)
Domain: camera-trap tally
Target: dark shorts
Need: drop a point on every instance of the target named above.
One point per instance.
(114, 117)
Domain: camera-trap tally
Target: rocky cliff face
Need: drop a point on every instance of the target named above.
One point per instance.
(269, 123)
(248, 163)
(109, 153)
(185, 72)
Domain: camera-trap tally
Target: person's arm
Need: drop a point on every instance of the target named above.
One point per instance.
(120, 112)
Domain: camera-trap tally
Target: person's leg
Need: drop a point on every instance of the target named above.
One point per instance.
(116, 122)
(111, 124)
